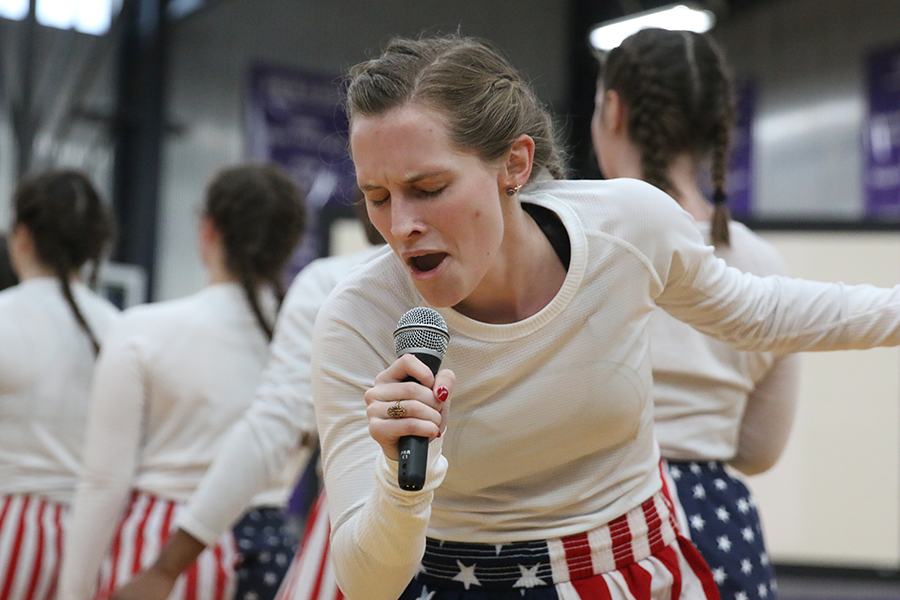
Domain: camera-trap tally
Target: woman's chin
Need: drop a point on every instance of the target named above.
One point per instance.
(436, 298)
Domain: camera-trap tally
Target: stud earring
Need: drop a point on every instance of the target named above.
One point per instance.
(513, 190)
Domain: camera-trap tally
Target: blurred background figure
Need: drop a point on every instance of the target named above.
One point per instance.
(257, 447)
(51, 328)
(664, 114)
(172, 380)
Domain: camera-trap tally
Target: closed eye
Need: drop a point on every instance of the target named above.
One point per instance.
(377, 201)
(430, 193)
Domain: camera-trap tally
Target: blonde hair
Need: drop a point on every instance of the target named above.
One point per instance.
(486, 102)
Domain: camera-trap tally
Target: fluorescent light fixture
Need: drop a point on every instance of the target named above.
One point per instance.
(14, 9)
(610, 34)
(87, 16)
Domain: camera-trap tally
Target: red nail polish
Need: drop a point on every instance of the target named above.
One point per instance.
(439, 434)
(442, 393)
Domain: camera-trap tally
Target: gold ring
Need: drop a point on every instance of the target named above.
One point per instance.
(397, 411)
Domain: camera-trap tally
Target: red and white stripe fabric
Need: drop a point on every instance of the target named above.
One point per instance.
(143, 531)
(638, 556)
(670, 492)
(311, 576)
(31, 540)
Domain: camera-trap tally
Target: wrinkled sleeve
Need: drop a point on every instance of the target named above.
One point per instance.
(378, 530)
(773, 313)
(113, 436)
(258, 447)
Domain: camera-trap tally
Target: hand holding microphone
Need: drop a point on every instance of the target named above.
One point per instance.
(402, 417)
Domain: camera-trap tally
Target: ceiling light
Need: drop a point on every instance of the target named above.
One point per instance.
(610, 34)
(14, 9)
(86, 16)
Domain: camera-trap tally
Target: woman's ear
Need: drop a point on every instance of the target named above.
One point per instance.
(614, 115)
(20, 245)
(519, 162)
(208, 238)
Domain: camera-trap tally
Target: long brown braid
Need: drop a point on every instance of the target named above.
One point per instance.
(678, 96)
(260, 214)
(70, 227)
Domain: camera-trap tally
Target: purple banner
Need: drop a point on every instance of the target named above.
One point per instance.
(882, 136)
(295, 119)
(740, 161)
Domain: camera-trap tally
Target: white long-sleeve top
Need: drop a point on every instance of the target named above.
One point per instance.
(551, 421)
(713, 402)
(172, 378)
(258, 446)
(46, 364)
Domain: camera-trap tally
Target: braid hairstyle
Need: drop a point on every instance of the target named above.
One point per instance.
(260, 213)
(678, 96)
(487, 104)
(70, 227)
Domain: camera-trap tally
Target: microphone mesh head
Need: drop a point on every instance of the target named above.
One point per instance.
(421, 327)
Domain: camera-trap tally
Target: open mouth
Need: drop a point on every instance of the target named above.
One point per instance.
(427, 262)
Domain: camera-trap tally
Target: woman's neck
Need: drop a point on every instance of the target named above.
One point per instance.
(524, 278)
(27, 268)
(683, 176)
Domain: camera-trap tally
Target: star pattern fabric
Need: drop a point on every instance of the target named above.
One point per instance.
(725, 527)
(637, 555)
(266, 545)
(520, 565)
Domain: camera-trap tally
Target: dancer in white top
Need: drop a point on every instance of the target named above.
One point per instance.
(548, 474)
(51, 325)
(255, 449)
(173, 378)
(664, 109)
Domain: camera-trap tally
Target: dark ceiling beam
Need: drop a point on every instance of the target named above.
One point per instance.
(138, 132)
(583, 68)
(24, 117)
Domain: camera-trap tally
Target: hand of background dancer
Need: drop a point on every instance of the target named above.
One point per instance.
(425, 403)
(157, 582)
(147, 585)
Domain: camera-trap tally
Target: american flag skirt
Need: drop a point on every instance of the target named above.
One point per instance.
(638, 556)
(266, 544)
(31, 541)
(311, 576)
(142, 532)
(719, 514)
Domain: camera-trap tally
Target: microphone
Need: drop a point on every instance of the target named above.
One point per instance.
(423, 333)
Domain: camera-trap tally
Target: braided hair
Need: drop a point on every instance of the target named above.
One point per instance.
(678, 95)
(70, 227)
(260, 214)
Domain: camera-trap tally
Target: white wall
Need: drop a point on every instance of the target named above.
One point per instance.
(807, 57)
(834, 497)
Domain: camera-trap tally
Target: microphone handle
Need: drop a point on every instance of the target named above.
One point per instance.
(414, 448)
